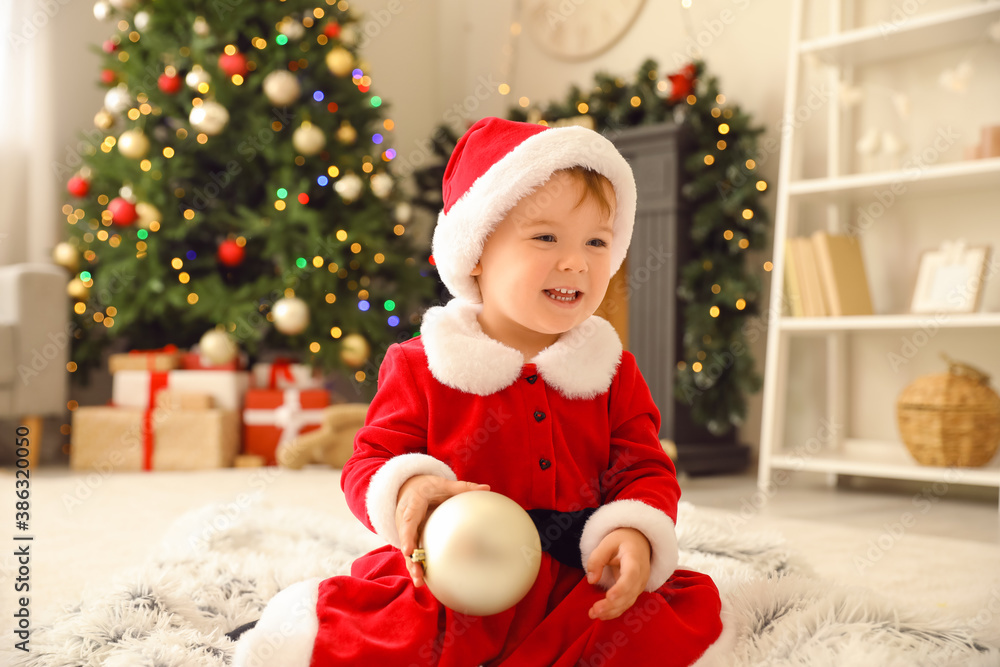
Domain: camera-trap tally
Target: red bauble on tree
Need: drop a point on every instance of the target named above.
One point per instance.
(108, 76)
(109, 46)
(233, 64)
(170, 83)
(122, 211)
(230, 253)
(682, 83)
(78, 186)
(332, 29)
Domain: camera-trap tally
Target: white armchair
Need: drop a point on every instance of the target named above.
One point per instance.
(35, 336)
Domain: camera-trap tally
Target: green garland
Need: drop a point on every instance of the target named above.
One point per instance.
(724, 196)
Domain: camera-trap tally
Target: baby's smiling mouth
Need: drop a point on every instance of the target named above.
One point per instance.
(563, 294)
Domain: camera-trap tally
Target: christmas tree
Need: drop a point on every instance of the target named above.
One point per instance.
(242, 183)
(724, 195)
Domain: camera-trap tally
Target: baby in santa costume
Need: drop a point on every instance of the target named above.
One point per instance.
(517, 387)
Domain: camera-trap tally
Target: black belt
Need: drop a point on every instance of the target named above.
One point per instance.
(560, 533)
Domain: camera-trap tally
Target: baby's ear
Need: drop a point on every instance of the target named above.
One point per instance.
(477, 269)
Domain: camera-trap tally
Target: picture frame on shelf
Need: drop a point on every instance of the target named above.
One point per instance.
(950, 279)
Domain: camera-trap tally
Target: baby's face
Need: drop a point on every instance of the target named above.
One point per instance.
(547, 265)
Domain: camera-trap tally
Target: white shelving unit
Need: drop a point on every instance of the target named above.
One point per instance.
(845, 49)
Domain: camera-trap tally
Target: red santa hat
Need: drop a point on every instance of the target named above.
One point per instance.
(499, 162)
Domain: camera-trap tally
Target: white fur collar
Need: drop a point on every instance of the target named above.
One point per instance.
(581, 364)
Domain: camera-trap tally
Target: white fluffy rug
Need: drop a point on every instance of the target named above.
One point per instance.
(216, 571)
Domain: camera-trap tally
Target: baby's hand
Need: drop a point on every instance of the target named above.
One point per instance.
(627, 552)
(417, 497)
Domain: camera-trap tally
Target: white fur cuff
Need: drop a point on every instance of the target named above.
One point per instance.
(651, 522)
(383, 490)
(286, 631)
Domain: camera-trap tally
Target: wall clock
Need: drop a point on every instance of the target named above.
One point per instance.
(578, 29)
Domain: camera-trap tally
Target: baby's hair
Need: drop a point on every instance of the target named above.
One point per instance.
(594, 186)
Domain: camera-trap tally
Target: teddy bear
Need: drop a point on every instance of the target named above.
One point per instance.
(332, 443)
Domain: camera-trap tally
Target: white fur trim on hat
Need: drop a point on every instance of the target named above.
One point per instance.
(383, 489)
(581, 364)
(461, 232)
(651, 522)
(286, 631)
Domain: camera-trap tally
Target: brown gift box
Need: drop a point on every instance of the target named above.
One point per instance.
(145, 360)
(169, 399)
(110, 438)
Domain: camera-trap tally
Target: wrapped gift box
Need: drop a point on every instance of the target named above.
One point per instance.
(164, 359)
(273, 416)
(193, 361)
(112, 438)
(283, 375)
(135, 388)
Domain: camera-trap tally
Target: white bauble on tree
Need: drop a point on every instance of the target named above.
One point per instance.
(348, 187)
(381, 184)
(403, 212)
(201, 27)
(308, 139)
(101, 10)
(291, 28)
(141, 20)
(340, 61)
(282, 87)
(133, 144)
(481, 553)
(217, 347)
(210, 117)
(196, 77)
(117, 99)
(291, 315)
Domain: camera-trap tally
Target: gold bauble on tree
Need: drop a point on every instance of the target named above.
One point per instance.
(481, 553)
(148, 214)
(291, 315)
(346, 134)
(308, 139)
(340, 61)
(355, 350)
(133, 144)
(103, 120)
(67, 256)
(217, 347)
(77, 290)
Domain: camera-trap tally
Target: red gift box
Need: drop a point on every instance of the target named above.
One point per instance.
(273, 416)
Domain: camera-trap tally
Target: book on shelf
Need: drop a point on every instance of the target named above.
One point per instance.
(792, 288)
(842, 271)
(825, 276)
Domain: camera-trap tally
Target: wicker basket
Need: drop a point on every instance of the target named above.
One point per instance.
(951, 419)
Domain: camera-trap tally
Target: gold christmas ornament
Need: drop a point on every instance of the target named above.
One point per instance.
(291, 315)
(147, 213)
(346, 134)
(133, 144)
(481, 553)
(67, 256)
(77, 290)
(217, 347)
(355, 350)
(340, 61)
(308, 139)
(103, 120)
(210, 118)
(282, 87)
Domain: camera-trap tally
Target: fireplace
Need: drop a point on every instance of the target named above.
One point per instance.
(642, 302)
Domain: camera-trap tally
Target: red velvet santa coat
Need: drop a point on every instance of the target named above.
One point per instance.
(575, 429)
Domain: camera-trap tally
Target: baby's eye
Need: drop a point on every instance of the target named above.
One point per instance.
(548, 238)
(599, 243)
